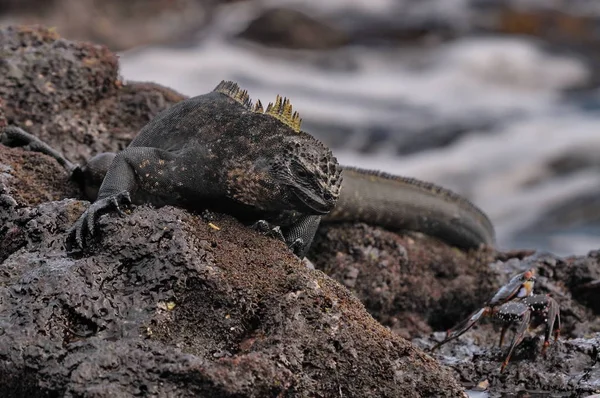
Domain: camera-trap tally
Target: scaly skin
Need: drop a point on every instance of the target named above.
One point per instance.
(399, 203)
(217, 151)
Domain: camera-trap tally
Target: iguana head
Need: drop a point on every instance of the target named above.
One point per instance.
(276, 166)
(307, 173)
(290, 172)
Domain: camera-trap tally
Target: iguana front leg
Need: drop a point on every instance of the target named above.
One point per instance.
(132, 170)
(126, 173)
(298, 237)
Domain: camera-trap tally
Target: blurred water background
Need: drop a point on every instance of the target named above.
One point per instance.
(497, 100)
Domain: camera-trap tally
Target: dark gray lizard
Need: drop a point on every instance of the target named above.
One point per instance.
(217, 151)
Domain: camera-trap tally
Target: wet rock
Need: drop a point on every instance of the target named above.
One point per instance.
(556, 22)
(569, 221)
(568, 364)
(577, 215)
(302, 27)
(419, 287)
(573, 161)
(567, 367)
(565, 27)
(413, 130)
(280, 27)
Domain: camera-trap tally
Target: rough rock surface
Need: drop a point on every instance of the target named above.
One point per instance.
(569, 365)
(163, 303)
(69, 94)
(412, 283)
(416, 285)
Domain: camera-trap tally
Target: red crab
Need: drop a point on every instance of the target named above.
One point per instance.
(514, 303)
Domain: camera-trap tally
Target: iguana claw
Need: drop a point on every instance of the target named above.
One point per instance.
(85, 225)
(298, 247)
(265, 228)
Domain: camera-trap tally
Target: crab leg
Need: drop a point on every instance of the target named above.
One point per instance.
(462, 327)
(553, 316)
(518, 337)
(502, 334)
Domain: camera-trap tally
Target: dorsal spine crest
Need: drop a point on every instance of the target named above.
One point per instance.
(233, 91)
(281, 109)
(258, 108)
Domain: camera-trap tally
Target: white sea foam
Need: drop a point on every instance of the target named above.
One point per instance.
(492, 76)
(507, 173)
(324, 8)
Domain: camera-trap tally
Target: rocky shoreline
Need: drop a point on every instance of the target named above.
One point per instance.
(164, 304)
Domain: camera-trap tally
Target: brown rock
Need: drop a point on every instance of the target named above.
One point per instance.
(69, 94)
(411, 283)
(164, 303)
(32, 178)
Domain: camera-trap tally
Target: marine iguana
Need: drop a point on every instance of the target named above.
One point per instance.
(221, 152)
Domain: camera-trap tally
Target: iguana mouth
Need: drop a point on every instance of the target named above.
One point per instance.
(314, 202)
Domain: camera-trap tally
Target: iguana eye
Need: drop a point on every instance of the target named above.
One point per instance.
(300, 171)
